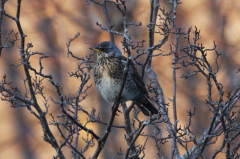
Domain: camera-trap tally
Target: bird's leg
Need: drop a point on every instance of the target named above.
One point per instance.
(114, 105)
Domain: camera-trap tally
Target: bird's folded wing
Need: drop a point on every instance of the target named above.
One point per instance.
(135, 76)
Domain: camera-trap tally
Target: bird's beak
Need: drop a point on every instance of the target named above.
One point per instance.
(94, 49)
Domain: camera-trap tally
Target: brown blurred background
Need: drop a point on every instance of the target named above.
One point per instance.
(50, 24)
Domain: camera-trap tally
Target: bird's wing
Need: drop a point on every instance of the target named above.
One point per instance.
(135, 76)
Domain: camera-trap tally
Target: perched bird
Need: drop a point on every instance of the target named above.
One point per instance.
(108, 75)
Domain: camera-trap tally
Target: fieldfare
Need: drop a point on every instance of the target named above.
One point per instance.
(108, 76)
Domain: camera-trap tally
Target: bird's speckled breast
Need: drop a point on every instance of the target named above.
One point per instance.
(108, 74)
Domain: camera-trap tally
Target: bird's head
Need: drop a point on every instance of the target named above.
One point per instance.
(107, 49)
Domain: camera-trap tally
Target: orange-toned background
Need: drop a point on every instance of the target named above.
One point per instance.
(50, 24)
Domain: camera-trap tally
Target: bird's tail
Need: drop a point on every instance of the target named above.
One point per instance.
(146, 106)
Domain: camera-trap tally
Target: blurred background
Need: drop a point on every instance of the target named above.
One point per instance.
(49, 24)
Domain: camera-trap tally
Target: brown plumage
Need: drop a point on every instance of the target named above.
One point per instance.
(108, 74)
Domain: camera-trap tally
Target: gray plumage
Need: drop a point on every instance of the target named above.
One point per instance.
(108, 74)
